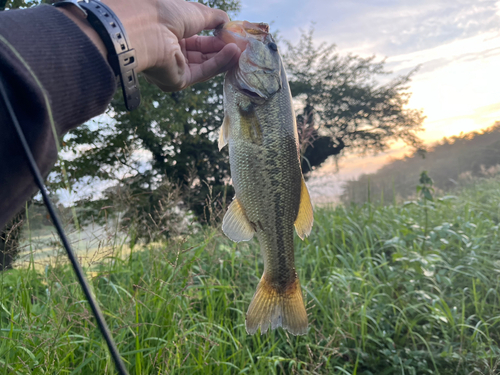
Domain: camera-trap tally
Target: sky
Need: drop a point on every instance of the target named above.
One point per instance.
(455, 44)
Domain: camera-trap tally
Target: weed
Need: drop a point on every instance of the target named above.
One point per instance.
(378, 304)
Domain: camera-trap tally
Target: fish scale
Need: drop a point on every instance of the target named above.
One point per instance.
(271, 197)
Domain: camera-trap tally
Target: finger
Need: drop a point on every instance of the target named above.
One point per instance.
(195, 57)
(221, 62)
(200, 17)
(171, 79)
(204, 44)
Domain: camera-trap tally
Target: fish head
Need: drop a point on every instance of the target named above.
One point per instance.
(258, 73)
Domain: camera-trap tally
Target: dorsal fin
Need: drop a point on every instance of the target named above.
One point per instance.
(305, 219)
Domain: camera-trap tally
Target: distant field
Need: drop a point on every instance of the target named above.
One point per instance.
(91, 243)
(387, 293)
(450, 162)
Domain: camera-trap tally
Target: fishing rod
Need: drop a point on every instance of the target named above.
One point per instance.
(120, 366)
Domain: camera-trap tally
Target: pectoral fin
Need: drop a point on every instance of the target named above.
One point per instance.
(224, 132)
(305, 219)
(235, 224)
(251, 129)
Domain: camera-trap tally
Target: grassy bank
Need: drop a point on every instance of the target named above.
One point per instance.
(387, 292)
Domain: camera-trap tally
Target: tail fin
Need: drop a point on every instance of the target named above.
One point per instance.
(274, 308)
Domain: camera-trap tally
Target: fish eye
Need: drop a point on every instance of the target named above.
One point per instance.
(273, 46)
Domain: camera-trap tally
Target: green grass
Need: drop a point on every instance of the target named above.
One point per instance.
(382, 299)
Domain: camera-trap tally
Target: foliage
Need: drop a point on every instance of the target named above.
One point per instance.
(149, 214)
(378, 304)
(425, 189)
(451, 163)
(19, 4)
(343, 104)
(172, 137)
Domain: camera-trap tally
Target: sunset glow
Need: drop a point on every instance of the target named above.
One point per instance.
(456, 46)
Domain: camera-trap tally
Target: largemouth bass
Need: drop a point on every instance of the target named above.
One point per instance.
(271, 195)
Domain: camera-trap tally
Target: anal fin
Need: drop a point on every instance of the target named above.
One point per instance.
(235, 224)
(305, 218)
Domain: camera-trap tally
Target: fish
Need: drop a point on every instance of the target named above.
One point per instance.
(271, 197)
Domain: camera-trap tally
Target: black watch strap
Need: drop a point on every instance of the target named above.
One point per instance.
(121, 56)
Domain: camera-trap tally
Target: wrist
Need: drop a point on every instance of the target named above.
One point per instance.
(111, 33)
(76, 16)
(139, 19)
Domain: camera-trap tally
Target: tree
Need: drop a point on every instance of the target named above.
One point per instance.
(172, 137)
(18, 4)
(342, 104)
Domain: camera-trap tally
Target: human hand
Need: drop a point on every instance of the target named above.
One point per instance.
(163, 33)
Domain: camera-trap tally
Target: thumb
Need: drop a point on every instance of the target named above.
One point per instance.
(201, 17)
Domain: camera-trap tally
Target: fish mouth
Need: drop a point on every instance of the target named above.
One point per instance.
(239, 31)
(257, 75)
(251, 94)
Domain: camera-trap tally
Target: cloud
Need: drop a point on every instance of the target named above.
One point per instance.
(399, 26)
(428, 32)
(476, 47)
(457, 86)
(379, 26)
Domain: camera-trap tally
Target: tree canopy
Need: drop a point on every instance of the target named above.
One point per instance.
(172, 137)
(343, 106)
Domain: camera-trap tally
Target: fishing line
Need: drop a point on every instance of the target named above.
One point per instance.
(120, 366)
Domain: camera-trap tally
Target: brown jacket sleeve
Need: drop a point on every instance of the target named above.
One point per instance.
(55, 76)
